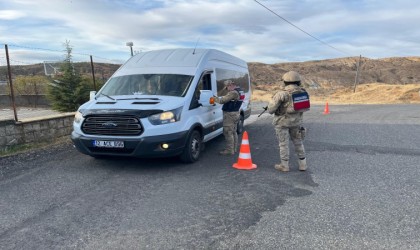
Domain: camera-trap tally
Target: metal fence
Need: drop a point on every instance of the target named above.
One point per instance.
(25, 73)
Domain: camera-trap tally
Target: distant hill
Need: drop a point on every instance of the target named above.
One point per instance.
(341, 71)
(323, 73)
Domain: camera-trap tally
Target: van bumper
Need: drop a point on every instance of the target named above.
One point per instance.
(138, 147)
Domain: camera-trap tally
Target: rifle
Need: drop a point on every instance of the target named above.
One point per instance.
(265, 109)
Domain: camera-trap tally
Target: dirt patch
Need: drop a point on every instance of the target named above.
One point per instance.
(374, 93)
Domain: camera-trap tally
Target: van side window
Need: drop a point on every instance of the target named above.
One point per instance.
(203, 84)
(206, 82)
(240, 78)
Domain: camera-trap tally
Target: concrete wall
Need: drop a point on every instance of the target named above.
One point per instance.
(25, 100)
(36, 130)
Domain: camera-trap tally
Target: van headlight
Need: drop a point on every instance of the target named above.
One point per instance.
(166, 117)
(78, 117)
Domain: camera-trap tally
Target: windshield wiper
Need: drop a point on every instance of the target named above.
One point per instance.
(106, 96)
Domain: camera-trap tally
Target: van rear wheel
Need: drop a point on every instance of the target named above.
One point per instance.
(240, 125)
(193, 148)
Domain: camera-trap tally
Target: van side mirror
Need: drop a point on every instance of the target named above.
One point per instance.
(92, 95)
(206, 98)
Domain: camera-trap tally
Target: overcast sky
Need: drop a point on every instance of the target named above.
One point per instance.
(35, 30)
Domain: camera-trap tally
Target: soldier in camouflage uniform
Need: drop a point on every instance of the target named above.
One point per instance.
(288, 124)
(231, 105)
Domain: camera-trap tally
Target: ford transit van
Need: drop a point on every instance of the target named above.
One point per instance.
(159, 103)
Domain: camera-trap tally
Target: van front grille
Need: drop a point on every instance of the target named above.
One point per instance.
(112, 125)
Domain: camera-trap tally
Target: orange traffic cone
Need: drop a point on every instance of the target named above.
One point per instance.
(327, 109)
(244, 159)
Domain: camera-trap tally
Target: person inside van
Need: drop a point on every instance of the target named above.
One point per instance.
(149, 88)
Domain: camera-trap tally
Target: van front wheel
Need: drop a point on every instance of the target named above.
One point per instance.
(192, 148)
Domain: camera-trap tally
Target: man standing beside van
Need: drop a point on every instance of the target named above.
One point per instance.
(231, 105)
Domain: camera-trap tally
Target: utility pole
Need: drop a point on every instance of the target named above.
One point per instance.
(130, 44)
(356, 79)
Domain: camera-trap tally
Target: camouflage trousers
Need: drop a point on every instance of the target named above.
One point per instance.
(230, 121)
(295, 135)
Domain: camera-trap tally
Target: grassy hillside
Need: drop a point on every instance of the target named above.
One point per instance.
(387, 80)
(374, 93)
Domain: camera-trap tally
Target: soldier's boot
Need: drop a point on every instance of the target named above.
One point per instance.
(283, 166)
(227, 152)
(302, 164)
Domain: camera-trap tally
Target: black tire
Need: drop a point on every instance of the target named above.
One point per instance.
(192, 148)
(240, 125)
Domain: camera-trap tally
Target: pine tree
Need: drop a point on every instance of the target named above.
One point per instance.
(64, 93)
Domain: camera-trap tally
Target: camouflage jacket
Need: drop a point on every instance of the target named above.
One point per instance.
(276, 106)
(230, 96)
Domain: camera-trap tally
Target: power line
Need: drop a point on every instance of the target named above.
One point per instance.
(284, 19)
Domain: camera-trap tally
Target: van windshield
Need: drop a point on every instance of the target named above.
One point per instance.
(148, 84)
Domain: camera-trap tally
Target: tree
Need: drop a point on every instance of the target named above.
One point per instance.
(85, 86)
(69, 90)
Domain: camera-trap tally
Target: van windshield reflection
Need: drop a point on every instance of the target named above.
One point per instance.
(148, 84)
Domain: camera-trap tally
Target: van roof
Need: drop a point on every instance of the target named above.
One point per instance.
(180, 61)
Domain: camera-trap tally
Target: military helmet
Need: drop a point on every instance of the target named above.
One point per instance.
(229, 82)
(291, 76)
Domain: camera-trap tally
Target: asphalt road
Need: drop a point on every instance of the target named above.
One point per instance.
(362, 191)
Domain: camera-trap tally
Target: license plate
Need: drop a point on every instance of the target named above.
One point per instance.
(108, 144)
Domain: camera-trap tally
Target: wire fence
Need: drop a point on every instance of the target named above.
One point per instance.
(26, 72)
